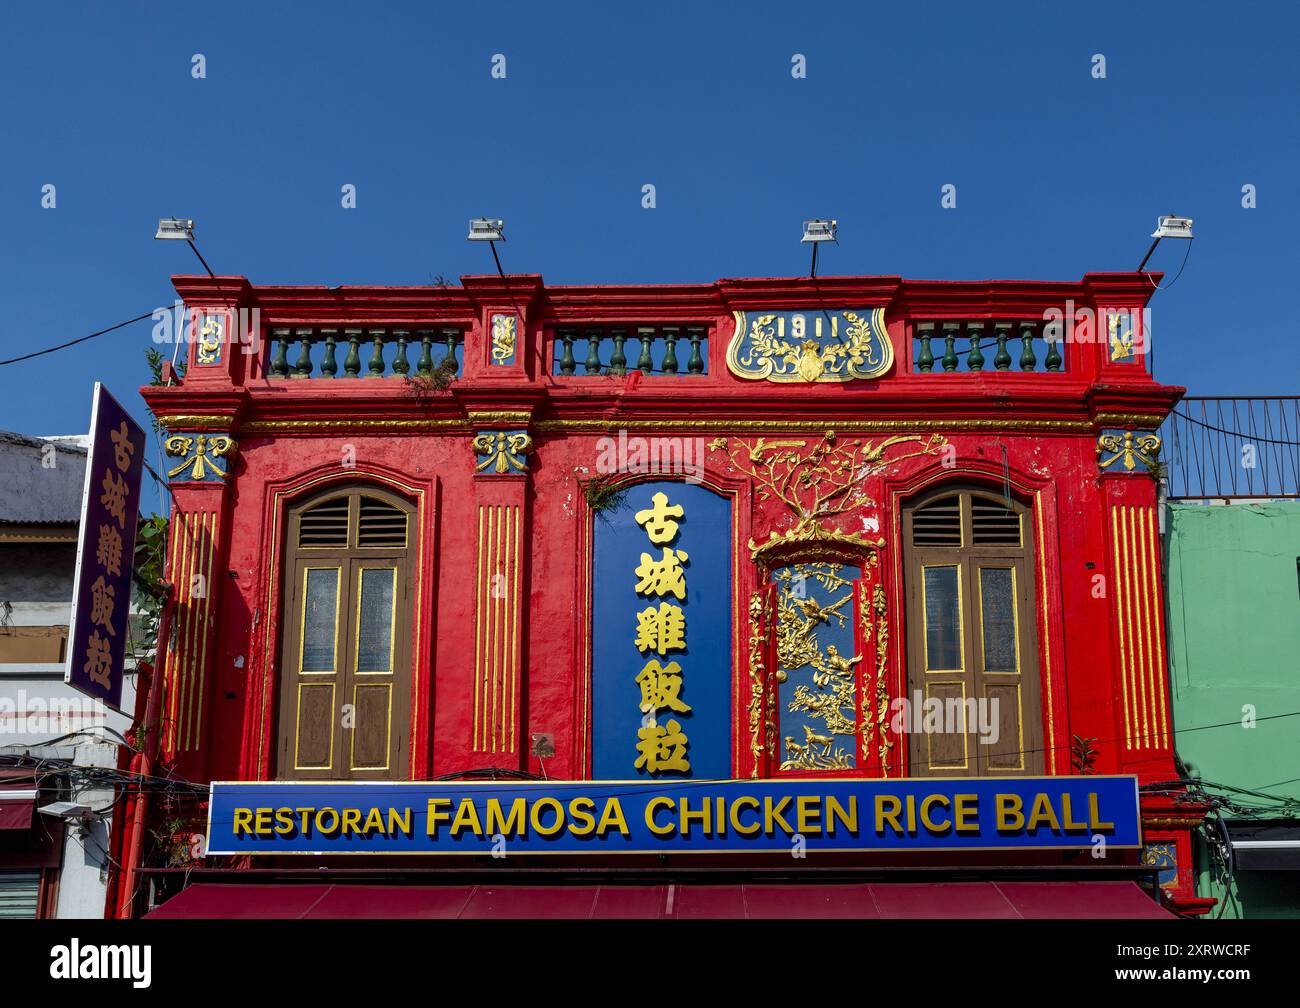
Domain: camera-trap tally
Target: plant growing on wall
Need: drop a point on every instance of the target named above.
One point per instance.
(1083, 757)
(603, 494)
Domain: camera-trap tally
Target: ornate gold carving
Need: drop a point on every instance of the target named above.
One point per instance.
(834, 680)
(763, 352)
(501, 418)
(503, 338)
(880, 610)
(758, 615)
(1131, 450)
(839, 426)
(211, 334)
(502, 451)
(818, 482)
(197, 422)
(199, 454)
(1121, 343)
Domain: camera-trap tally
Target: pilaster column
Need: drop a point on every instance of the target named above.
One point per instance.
(501, 535)
(199, 465)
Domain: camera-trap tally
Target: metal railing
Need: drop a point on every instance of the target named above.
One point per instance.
(984, 346)
(672, 350)
(370, 352)
(1232, 447)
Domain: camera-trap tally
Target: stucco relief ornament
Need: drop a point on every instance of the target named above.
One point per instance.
(817, 482)
(812, 346)
(200, 455)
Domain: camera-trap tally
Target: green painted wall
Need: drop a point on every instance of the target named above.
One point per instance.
(1234, 640)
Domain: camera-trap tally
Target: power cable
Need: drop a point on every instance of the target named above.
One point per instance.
(82, 339)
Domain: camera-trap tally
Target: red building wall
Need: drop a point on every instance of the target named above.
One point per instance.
(1100, 628)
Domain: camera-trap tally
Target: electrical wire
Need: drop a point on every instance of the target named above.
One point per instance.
(1156, 286)
(82, 339)
(1235, 433)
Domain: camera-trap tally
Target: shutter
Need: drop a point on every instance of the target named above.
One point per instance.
(938, 524)
(381, 524)
(325, 525)
(19, 895)
(993, 524)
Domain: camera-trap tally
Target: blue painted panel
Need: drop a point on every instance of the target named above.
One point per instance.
(704, 534)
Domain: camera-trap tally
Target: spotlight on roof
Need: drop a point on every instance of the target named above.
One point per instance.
(176, 229)
(1170, 226)
(487, 229)
(1167, 226)
(818, 230)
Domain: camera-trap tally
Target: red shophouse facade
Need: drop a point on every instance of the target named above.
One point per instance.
(847, 423)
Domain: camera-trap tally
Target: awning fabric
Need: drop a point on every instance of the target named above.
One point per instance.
(17, 802)
(892, 900)
(1265, 846)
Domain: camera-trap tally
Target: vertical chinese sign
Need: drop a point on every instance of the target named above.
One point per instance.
(661, 635)
(110, 509)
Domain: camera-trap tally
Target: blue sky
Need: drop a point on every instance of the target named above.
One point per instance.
(1057, 173)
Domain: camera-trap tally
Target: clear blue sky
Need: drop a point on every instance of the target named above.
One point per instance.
(1057, 173)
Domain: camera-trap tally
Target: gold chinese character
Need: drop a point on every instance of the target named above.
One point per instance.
(662, 629)
(123, 449)
(658, 520)
(114, 496)
(662, 747)
(662, 577)
(99, 660)
(108, 549)
(661, 688)
(102, 600)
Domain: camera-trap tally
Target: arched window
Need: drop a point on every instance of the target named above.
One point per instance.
(345, 668)
(972, 650)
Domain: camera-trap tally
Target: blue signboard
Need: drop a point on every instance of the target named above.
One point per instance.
(661, 635)
(679, 816)
(110, 511)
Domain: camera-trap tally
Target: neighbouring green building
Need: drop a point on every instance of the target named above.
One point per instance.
(1233, 591)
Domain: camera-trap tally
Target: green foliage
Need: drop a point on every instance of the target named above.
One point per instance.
(603, 495)
(150, 589)
(1083, 756)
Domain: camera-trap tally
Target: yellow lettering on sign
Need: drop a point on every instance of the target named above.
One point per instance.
(243, 821)
(284, 822)
(1095, 821)
(1042, 814)
(930, 824)
(1010, 813)
(772, 815)
(584, 823)
(749, 802)
(611, 817)
(467, 819)
(497, 822)
(399, 821)
(888, 808)
(847, 817)
(263, 822)
(966, 813)
(808, 813)
(552, 805)
(653, 806)
(704, 816)
(437, 814)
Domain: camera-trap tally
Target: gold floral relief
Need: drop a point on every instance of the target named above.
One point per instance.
(816, 345)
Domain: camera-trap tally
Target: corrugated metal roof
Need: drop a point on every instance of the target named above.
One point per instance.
(40, 479)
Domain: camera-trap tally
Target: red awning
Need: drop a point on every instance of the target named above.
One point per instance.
(982, 900)
(17, 801)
